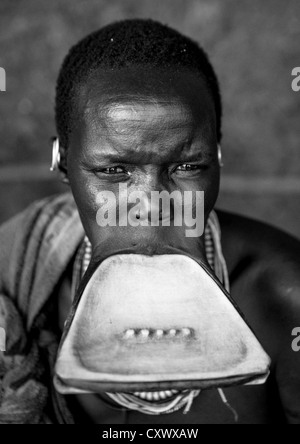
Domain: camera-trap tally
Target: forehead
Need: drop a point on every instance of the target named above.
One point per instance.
(148, 112)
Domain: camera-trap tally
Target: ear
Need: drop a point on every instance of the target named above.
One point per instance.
(220, 157)
(59, 159)
(63, 166)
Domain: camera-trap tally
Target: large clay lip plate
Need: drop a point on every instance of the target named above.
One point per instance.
(179, 293)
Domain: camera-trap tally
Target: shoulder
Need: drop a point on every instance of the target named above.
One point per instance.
(258, 238)
(23, 223)
(266, 247)
(267, 260)
(265, 278)
(18, 233)
(264, 266)
(43, 207)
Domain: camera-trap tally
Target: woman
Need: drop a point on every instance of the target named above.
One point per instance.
(139, 104)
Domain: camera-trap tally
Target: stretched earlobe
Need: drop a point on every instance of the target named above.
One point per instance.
(55, 155)
(56, 163)
(220, 157)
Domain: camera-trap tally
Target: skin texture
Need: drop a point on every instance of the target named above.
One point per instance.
(146, 134)
(146, 126)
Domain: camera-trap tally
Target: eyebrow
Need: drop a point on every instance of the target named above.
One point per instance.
(128, 158)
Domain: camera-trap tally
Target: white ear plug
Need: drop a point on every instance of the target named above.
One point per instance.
(55, 155)
(220, 157)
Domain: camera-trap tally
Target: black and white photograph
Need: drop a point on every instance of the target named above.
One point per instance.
(150, 214)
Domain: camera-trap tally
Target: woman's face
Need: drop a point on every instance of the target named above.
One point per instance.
(148, 129)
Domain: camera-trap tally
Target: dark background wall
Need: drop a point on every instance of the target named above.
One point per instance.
(254, 45)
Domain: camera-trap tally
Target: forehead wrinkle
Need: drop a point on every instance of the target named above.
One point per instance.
(139, 138)
(137, 109)
(155, 148)
(192, 150)
(146, 112)
(142, 122)
(156, 126)
(101, 110)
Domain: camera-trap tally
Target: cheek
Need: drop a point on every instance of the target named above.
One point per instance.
(209, 183)
(212, 191)
(85, 190)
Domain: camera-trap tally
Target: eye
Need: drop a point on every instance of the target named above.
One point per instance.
(187, 167)
(115, 173)
(114, 170)
(189, 170)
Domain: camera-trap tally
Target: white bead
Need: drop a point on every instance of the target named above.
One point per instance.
(159, 333)
(186, 332)
(162, 395)
(172, 332)
(129, 334)
(144, 333)
(149, 396)
(156, 396)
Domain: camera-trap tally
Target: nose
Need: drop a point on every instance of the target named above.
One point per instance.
(155, 207)
(148, 215)
(153, 191)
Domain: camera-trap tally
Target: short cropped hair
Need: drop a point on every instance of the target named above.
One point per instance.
(129, 43)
